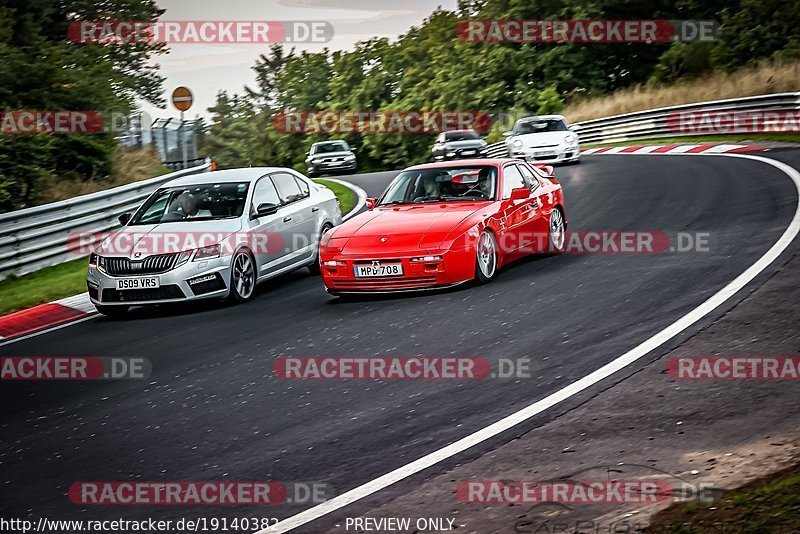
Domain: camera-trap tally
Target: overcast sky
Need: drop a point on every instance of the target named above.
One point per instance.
(206, 69)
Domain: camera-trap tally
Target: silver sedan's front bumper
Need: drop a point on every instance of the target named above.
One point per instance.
(338, 166)
(193, 280)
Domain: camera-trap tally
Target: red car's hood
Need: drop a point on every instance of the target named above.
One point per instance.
(405, 228)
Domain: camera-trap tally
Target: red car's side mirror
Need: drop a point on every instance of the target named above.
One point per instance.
(547, 169)
(520, 193)
(371, 202)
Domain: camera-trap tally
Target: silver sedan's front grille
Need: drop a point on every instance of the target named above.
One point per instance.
(150, 265)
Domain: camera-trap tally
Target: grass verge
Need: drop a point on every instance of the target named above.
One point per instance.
(767, 505)
(345, 195)
(786, 138)
(45, 285)
(129, 165)
(766, 77)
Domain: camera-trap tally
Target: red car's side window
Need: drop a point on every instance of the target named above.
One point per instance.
(512, 179)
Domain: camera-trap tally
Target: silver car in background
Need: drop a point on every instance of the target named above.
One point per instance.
(328, 157)
(212, 235)
(458, 144)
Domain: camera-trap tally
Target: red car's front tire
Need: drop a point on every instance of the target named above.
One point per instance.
(486, 258)
(556, 235)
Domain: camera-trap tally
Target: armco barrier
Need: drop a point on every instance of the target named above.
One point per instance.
(33, 238)
(653, 123)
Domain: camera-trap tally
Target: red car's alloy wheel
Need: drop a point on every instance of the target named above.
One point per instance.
(486, 261)
(557, 233)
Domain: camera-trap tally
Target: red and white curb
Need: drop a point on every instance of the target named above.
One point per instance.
(673, 149)
(46, 316)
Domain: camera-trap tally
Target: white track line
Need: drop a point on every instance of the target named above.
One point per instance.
(360, 194)
(576, 387)
(48, 330)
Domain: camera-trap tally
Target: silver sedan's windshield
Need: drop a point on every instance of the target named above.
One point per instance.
(328, 148)
(442, 184)
(461, 136)
(203, 202)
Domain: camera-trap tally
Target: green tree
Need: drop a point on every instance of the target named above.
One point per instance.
(42, 70)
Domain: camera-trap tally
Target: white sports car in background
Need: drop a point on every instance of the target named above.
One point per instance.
(545, 138)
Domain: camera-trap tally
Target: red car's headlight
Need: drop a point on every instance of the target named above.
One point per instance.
(333, 245)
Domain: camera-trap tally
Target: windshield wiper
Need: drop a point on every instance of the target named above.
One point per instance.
(395, 202)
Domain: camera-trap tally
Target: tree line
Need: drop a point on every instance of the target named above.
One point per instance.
(427, 68)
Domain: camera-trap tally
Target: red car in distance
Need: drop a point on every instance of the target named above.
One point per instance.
(446, 223)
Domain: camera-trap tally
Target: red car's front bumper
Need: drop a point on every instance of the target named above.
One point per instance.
(454, 267)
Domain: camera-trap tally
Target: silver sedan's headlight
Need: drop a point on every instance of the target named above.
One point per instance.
(207, 253)
(350, 157)
(517, 143)
(569, 139)
(316, 160)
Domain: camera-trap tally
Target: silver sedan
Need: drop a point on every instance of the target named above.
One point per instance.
(212, 235)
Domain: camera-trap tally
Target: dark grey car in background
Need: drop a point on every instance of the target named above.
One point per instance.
(329, 157)
(458, 144)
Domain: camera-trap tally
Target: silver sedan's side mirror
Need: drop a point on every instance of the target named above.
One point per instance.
(266, 209)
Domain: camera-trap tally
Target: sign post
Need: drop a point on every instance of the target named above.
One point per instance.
(182, 100)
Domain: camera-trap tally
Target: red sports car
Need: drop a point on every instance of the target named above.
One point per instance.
(442, 224)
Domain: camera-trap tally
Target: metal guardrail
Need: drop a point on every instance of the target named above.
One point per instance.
(655, 123)
(497, 150)
(38, 237)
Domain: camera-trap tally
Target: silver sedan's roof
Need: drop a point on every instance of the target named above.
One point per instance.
(227, 176)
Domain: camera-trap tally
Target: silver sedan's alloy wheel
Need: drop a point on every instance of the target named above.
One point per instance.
(487, 256)
(314, 267)
(557, 233)
(244, 276)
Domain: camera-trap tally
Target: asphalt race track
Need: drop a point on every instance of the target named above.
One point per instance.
(213, 410)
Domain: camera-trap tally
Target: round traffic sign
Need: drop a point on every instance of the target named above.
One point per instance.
(182, 98)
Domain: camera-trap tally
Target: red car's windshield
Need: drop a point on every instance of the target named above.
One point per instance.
(442, 184)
